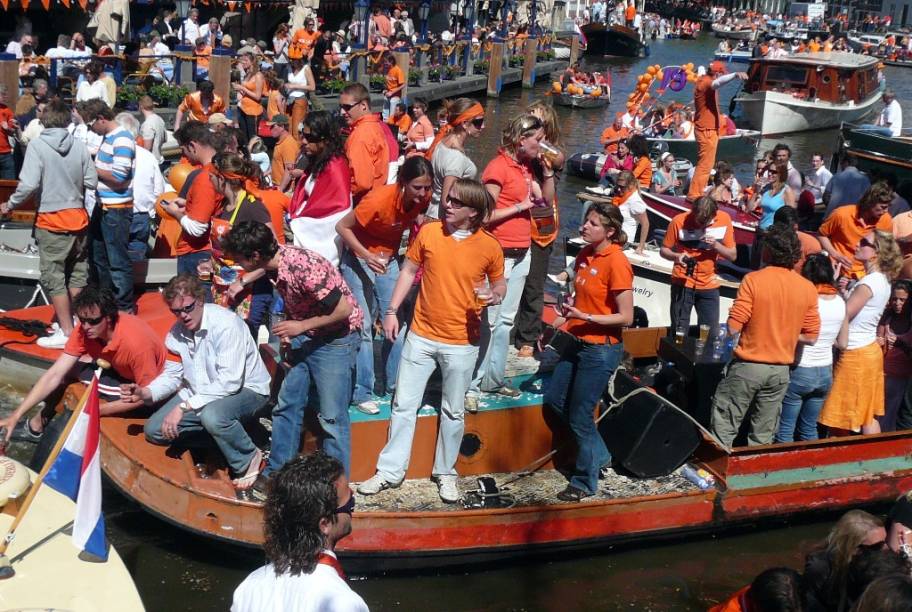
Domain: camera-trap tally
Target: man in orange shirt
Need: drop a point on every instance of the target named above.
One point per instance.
(847, 225)
(306, 38)
(8, 127)
(400, 118)
(775, 310)
(614, 133)
(395, 83)
(198, 200)
(201, 105)
(370, 148)
(463, 269)
(694, 241)
(708, 123)
(286, 150)
(630, 13)
(788, 217)
(202, 52)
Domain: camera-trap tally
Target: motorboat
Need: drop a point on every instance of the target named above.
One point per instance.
(735, 56)
(582, 101)
(615, 40)
(589, 166)
(734, 32)
(874, 152)
(808, 91)
(740, 144)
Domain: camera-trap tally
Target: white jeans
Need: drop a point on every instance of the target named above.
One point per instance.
(420, 357)
(495, 340)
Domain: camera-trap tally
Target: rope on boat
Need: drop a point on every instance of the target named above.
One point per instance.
(532, 467)
(27, 327)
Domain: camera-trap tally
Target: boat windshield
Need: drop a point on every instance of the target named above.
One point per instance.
(786, 75)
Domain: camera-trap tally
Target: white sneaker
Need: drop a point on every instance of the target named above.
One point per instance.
(56, 340)
(369, 407)
(446, 486)
(375, 484)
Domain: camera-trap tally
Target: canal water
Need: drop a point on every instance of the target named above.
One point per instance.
(175, 570)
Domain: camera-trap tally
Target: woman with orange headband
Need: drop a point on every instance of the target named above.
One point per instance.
(465, 118)
(248, 294)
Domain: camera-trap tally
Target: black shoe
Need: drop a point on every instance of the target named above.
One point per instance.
(260, 488)
(572, 494)
(22, 432)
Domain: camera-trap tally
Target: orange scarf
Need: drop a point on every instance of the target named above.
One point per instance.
(825, 289)
(619, 200)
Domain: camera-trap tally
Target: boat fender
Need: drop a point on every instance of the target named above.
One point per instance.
(14, 480)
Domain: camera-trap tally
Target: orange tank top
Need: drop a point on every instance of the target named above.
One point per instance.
(248, 105)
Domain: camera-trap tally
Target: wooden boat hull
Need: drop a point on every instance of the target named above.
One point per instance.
(773, 112)
(615, 40)
(737, 145)
(876, 153)
(573, 101)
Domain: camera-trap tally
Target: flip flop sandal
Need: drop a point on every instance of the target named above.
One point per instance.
(253, 470)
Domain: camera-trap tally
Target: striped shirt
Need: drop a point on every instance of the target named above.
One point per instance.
(116, 155)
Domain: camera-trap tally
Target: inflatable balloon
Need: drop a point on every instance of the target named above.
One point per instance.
(178, 175)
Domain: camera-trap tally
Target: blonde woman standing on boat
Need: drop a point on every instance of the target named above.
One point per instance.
(633, 209)
(602, 306)
(465, 119)
(857, 395)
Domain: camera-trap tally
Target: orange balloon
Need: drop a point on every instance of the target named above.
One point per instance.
(660, 74)
(177, 176)
(651, 70)
(643, 87)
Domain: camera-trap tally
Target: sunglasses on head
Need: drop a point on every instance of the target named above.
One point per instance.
(184, 309)
(90, 320)
(346, 508)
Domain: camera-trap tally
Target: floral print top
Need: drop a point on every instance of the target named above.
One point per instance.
(311, 287)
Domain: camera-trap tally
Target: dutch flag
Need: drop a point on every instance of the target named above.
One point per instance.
(76, 473)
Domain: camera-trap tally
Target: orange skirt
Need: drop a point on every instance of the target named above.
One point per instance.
(857, 395)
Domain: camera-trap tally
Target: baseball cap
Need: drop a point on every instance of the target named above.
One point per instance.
(717, 67)
(279, 119)
(219, 119)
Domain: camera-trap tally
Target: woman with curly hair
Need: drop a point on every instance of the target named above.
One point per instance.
(857, 395)
(322, 195)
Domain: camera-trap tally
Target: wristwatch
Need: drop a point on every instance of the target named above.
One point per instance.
(185, 407)
(589, 318)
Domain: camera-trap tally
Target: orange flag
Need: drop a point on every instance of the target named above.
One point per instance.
(83, 4)
(5, 4)
(232, 5)
(25, 5)
(65, 3)
(46, 4)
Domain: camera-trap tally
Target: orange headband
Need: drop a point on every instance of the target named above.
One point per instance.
(476, 110)
(232, 176)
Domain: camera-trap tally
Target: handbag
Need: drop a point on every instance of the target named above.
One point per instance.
(263, 129)
(566, 345)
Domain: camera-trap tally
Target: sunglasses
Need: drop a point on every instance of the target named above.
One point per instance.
(455, 202)
(311, 137)
(478, 122)
(866, 243)
(346, 508)
(184, 310)
(348, 107)
(90, 321)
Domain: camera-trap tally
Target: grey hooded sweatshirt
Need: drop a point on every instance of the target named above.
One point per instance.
(57, 170)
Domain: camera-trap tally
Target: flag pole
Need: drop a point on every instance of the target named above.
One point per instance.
(6, 570)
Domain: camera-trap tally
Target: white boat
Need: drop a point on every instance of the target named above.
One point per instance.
(808, 91)
(734, 32)
(49, 575)
(859, 41)
(736, 56)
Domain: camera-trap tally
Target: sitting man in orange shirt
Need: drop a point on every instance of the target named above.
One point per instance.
(614, 133)
(395, 83)
(775, 310)
(400, 118)
(694, 240)
(199, 105)
(847, 225)
(134, 350)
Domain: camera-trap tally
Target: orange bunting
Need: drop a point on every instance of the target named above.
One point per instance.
(25, 5)
(46, 4)
(65, 3)
(5, 4)
(232, 6)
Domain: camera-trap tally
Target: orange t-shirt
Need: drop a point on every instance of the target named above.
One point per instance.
(249, 106)
(135, 351)
(773, 306)
(736, 603)
(272, 103)
(394, 78)
(809, 246)
(599, 278)
(403, 124)
(382, 220)
(285, 151)
(306, 40)
(446, 310)
(202, 202)
(368, 155)
(706, 105)
(611, 134)
(642, 172)
(276, 204)
(5, 115)
(202, 57)
(630, 12)
(685, 236)
(814, 46)
(194, 107)
(845, 229)
(66, 220)
(513, 179)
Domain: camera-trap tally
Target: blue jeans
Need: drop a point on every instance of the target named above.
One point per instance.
(576, 386)
(803, 401)
(109, 232)
(260, 304)
(684, 300)
(7, 166)
(495, 336)
(420, 357)
(222, 419)
(138, 248)
(373, 292)
(877, 129)
(186, 264)
(328, 365)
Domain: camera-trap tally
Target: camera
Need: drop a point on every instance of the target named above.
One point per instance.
(690, 264)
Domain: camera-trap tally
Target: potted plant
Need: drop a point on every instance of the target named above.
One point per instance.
(453, 71)
(482, 66)
(517, 60)
(413, 77)
(167, 96)
(128, 97)
(377, 82)
(434, 74)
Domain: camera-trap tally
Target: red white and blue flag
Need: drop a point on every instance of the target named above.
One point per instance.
(76, 473)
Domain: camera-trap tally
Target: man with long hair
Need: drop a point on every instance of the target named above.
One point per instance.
(307, 513)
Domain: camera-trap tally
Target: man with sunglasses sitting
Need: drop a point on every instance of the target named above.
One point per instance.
(136, 354)
(219, 383)
(307, 513)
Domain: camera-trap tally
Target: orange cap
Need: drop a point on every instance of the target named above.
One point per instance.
(717, 67)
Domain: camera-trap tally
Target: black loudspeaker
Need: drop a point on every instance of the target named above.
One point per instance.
(645, 434)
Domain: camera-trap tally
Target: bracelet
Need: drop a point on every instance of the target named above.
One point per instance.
(391, 311)
(518, 209)
(547, 176)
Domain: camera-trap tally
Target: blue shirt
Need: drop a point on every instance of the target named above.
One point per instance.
(116, 155)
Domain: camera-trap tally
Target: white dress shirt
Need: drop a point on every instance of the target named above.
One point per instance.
(891, 117)
(189, 32)
(148, 182)
(218, 360)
